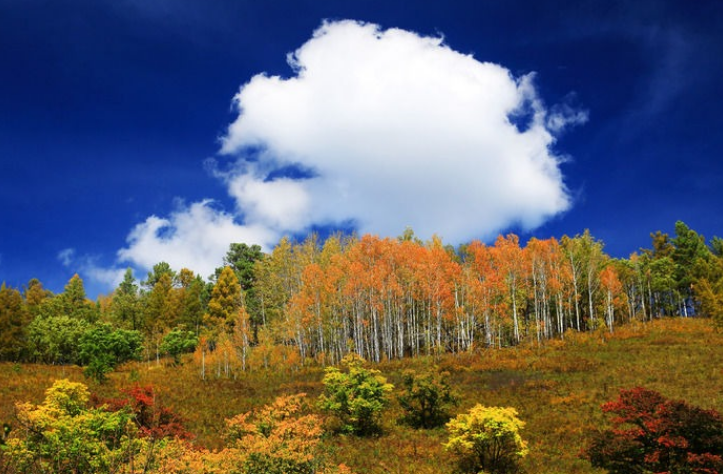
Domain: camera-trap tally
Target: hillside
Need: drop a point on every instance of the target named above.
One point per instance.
(557, 388)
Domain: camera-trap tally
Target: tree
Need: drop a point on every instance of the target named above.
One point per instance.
(716, 246)
(690, 256)
(159, 269)
(662, 246)
(653, 434)
(13, 319)
(663, 285)
(103, 348)
(512, 262)
(125, 307)
(356, 397)
(242, 259)
(612, 289)
(226, 300)
(195, 299)
(74, 303)
(34, 295)
(426, 399)
(709, 291)
(54, 339)
(160, 310)
(177, 342)
(487, 439)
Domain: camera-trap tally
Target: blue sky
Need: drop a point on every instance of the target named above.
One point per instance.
(134, 131)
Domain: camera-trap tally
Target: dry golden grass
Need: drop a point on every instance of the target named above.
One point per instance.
(557, 388)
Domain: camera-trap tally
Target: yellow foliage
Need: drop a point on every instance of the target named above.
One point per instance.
(278, 435)
(487, 438)
(174, 456)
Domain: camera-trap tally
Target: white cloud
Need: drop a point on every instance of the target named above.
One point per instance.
(400, 130)
(195, 237)
(395, 129)
(66, 256)
(109, 277)
(88, 266)
(281, 204)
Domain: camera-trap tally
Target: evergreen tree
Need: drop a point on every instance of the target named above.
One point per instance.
(74, 303)
(125, 308)
(13, 319)
(35, 294)
(691, 256)
(159, 269)
(195, 300)
(159, 310)
(242, 259)
(716, 246)
(226, 300)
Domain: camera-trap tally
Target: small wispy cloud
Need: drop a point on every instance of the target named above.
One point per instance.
(88, 266)
(66, 256)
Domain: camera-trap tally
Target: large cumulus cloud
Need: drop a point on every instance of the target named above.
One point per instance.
(401, 130)
(389, 129)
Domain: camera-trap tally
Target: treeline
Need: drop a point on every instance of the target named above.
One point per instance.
(315, 302)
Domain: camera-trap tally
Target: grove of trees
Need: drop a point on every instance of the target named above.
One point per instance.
(315, 302)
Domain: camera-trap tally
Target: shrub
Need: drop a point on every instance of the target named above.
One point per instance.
(356, 397)
(278, 439)
(426, 399)
(154, 420)
(63, 435)
(653, 434)
(487, 439)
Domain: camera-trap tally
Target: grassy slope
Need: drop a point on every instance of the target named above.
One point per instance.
(557, 390)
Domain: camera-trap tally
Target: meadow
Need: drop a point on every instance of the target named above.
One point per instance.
(556, 387)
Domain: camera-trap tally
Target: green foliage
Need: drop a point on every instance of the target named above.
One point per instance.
(426, 399)
(73, 302)
(653, 434)
(34, 295)
(159, 312)
(716, 246)
(709, 291)
(62, 435)
(177, 342)
(690, 251)
(159, 270)
(663, 283)
(102, 349)
(356, 397)
(195, 299)
(487, 439)
(242, 259)
(13, 319)
(125, 307)
(54, 339)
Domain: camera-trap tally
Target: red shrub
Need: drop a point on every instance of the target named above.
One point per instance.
(154, 420)
(653, 434)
